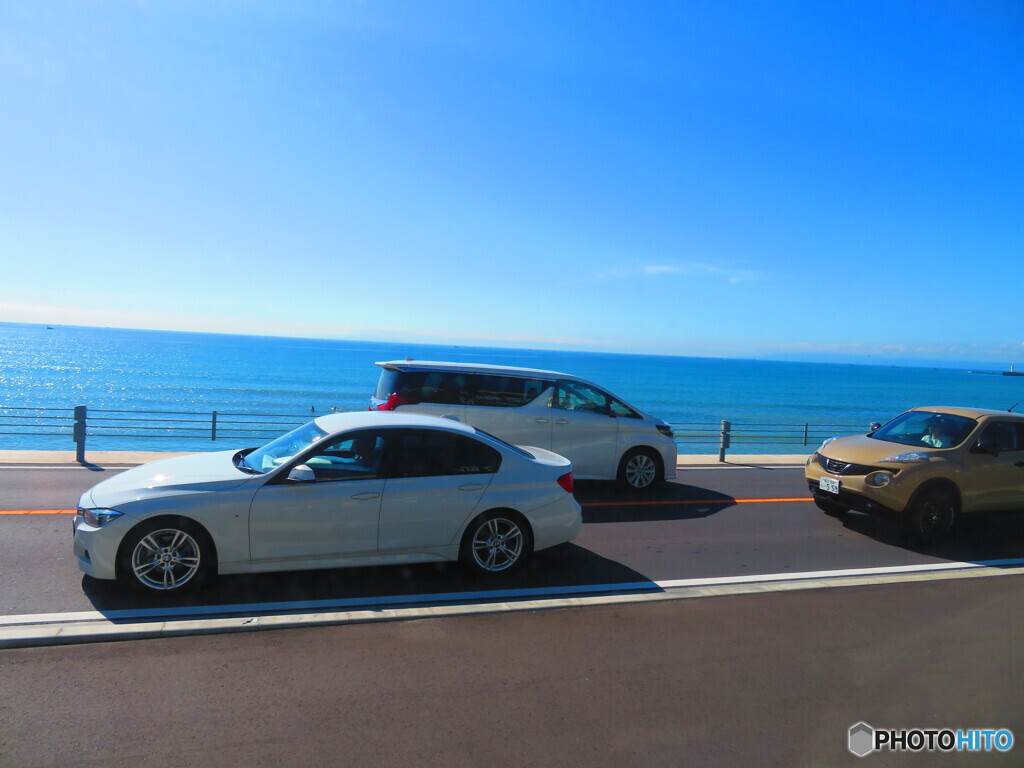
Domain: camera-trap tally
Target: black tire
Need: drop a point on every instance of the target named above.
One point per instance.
(640, 469)
(497, 542)
(165, 556)
(931, 516)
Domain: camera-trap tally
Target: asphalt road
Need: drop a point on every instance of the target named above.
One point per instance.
(756, 680)
(710, 523)
(765, 679)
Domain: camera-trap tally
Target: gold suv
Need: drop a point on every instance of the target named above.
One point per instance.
(928, 466)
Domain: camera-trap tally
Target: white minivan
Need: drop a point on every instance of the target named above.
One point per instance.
(604, 437)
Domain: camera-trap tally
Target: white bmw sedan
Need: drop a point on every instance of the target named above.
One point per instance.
(349, 489)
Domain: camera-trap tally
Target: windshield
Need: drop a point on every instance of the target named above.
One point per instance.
(278, 451)
(926, 429)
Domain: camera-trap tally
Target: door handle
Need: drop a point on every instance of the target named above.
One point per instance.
(562, 421)
(1019, 464)
(470, 487)
(366, 496)
(541, 421)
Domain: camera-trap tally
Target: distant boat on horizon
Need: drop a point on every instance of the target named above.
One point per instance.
(49, 327)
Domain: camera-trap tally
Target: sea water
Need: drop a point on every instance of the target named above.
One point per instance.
(147, 371)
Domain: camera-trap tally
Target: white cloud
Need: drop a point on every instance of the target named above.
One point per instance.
(725, 272)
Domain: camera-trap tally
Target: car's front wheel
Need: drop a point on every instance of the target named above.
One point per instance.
(639, 469)
(166, 557)
(496, 542)
(932, 515)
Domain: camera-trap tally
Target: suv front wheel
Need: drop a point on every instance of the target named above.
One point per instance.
(932, 515)
(639, 469)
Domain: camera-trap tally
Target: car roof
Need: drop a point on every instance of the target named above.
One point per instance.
(970, 413)
(433, 365)
(340, 422)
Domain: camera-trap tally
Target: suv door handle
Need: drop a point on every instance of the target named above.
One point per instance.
(562, 421)
(541, 421)
(1019, 464)
(366, 496)
(470, 487)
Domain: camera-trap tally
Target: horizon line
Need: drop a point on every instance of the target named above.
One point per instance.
(865, 359)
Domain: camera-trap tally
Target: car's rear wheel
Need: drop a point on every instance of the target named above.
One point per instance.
(639, 469)
(166, 557)
(932, 515)
(497, 542)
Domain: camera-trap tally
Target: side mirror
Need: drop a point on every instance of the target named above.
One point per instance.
(301, 474)
(991, 447)
(874, 426)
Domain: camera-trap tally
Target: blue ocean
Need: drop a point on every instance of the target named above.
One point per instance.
(119, 374)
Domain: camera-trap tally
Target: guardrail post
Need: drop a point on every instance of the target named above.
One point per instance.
(724, 440)
(213, 426)
(78, 433)
(806, 425)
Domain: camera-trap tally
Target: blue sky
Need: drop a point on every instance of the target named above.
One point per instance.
(788, 179)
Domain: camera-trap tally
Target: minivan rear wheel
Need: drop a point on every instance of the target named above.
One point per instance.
(639, 469)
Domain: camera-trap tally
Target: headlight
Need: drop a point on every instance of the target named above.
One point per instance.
(97, 518)
(666, 430)
(878, 479)
(907, 458)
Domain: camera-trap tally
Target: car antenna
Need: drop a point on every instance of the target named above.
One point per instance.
(1010, 409)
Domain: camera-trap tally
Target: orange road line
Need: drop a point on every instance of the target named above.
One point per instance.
(686, 501)
(588, 504)
(37, 511)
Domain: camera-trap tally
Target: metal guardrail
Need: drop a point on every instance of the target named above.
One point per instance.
(81, 422)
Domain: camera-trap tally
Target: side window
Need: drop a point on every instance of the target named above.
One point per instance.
(506, 391)
(583, 398)
(622, 410)
(352, 456)
(432, 452)
(1005, 434)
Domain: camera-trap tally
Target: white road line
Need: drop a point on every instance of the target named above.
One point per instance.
(504, 595)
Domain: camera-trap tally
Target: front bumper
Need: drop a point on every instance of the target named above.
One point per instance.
(96, 548)
(855, 494)
(849, 500)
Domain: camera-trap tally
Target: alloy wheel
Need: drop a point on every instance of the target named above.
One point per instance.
(166, 559)
(641, 471)
(497, 544)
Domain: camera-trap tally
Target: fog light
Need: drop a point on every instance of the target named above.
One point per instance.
(878, 479)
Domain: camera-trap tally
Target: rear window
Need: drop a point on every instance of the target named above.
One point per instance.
(455, 388)
(423, 387)
(429, 453)
(513, 448)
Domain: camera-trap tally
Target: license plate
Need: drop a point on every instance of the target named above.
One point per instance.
(829, 484)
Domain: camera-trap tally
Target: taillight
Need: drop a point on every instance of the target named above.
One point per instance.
(566, 482)
(391, 403)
